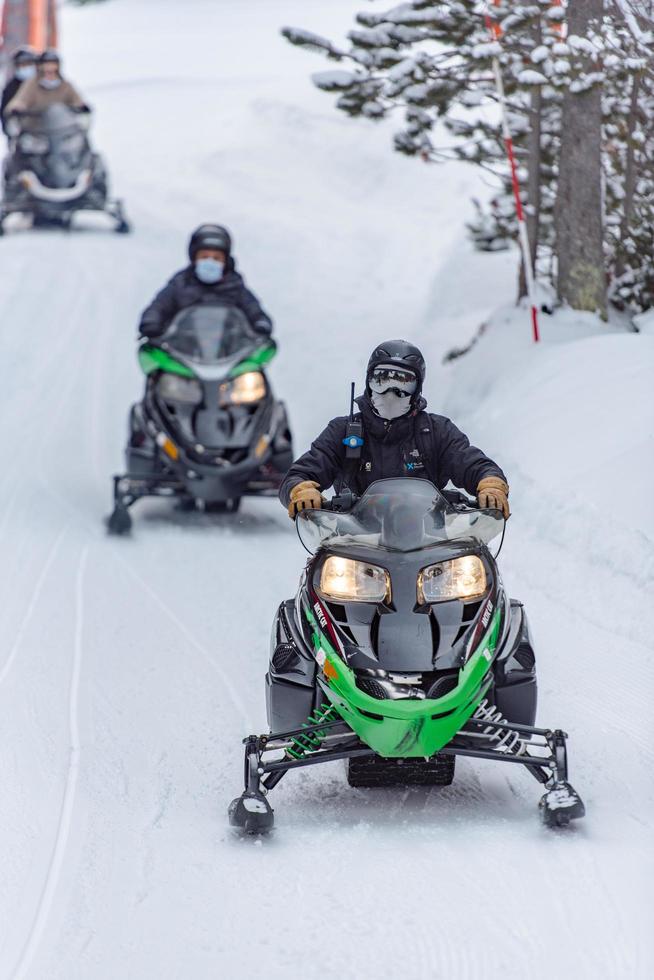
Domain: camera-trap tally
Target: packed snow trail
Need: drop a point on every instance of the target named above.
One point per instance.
(68, 802)
(210, 116)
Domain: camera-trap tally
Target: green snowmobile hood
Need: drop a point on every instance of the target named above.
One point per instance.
(254, 362)
(405, 728)
(153, 358)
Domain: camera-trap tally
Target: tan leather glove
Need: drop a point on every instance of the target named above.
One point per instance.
(304, 496)
(494, 492)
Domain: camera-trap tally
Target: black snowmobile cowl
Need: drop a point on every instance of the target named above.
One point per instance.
(209, 429)
(438, 629)
(401, 651)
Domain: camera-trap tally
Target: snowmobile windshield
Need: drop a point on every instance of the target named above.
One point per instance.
(402, 514)
(53, 121)
(209, 334)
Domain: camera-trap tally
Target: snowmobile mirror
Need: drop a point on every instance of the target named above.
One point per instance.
(342, 502)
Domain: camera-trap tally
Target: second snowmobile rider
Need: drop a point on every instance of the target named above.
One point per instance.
(48, 88)
(399, 439)
(211, 277)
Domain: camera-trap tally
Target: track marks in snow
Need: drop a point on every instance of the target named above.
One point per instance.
(95, 532)
(234, 696)
(53, 875)
(8, 509)
(33, 604)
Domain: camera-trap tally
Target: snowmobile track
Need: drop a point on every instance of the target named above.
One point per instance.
(33, 604)
(68, 801)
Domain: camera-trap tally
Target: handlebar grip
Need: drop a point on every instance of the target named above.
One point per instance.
(459, 499)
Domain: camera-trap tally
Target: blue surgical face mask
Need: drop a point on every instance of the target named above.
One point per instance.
(50, 83)
(23, 72)
(209, 271)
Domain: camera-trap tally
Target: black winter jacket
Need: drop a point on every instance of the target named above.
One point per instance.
(185, 289)
(8, 93)
(419, 444)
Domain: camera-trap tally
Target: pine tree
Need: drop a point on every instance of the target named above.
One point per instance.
(629, 159)
(431, 60)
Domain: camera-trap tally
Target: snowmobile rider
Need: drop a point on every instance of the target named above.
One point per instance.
(23, 63)
(399, 439)
(211, 277)
(48, 88)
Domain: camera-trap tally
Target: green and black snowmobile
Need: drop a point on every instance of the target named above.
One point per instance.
(401, 651)
(209, 429)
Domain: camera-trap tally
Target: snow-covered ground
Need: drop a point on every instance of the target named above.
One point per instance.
(130, 670)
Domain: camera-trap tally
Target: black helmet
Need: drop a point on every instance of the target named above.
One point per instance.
(50, 54)
(24, 56)
(401, 354)
(210, 236)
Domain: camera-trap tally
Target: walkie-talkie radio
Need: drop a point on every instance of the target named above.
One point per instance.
(353, 440)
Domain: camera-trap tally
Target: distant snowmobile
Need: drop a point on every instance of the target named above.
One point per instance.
(51, 171)
(209, 429)
(401, 651)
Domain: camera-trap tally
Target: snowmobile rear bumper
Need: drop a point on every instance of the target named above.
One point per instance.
(247, 479)
(62, 210)
(213, 483)
(327, 741)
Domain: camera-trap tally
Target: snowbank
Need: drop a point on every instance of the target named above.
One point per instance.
(645, 322)
(571, 419)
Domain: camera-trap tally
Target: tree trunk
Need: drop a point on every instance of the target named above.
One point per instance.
(579, 218)
(532, 210)
(534, 155)
(629, 176)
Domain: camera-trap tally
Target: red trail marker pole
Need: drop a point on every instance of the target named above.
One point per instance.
(523, 235)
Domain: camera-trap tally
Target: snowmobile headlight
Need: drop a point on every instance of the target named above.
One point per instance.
(247, 389)
(173, 388)
(460, 578)
(354, 581)
(74, 143)
(31, 143)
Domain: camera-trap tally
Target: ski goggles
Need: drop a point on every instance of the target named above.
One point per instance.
(386, 377)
